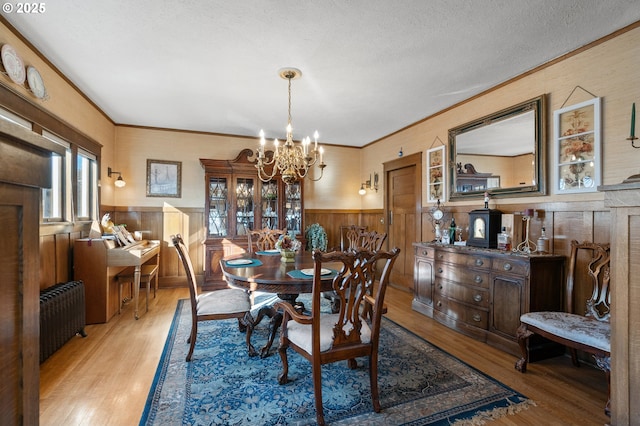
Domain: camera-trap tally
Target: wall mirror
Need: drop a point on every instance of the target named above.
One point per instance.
(502, 153)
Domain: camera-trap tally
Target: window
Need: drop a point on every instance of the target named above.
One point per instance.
(55, 200)
(87, 186)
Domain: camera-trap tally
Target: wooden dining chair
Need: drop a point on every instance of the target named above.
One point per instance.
(264, 239)
(372, 240)
(588, 331)
(213, 305)
(324, 338)
(350, 236)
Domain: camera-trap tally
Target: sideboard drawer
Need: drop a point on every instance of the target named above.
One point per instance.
(511, 266)
(466, 276)
(472, 316)
(476, 260)
(470, 295)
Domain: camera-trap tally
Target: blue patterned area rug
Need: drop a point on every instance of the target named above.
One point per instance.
(420, 384)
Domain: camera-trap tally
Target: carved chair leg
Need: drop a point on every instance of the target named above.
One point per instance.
(352, 364)
(604, 363)
(317, 390)
(282, 350)
(192, 340)
(607, 408)
(522, 334)
(373, 378)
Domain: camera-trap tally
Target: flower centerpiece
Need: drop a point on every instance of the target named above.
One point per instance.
(288, 247)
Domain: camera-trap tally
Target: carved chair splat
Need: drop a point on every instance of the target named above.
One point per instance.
(264, 239)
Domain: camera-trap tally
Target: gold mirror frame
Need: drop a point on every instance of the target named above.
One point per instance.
(458, 174)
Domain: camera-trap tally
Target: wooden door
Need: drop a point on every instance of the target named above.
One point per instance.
(402, 207)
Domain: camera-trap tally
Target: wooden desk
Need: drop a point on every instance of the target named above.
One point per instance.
(272, 277)
(97, 261)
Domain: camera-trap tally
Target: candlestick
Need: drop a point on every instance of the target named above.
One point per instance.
(633, 120)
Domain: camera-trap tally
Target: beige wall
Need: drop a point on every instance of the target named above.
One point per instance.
(338, 187)
(608, 70)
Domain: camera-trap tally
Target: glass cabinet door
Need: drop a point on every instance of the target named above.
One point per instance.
(218, 207)
(293, 208)
(269, 205)
(244, 205)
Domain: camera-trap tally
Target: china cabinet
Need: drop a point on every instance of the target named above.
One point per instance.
(236, 202)
(483, 292)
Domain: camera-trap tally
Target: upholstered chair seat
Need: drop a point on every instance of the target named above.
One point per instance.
(221, 302)
(578, 328)
(301, 334)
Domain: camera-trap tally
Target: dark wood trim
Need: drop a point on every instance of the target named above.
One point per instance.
(43, 119)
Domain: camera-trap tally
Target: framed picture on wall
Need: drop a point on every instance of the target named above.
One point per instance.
(577, 147)
(164, 178)
(436, 185)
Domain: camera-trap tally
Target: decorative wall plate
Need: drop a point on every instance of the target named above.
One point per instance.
(12, 63)
(36, 84)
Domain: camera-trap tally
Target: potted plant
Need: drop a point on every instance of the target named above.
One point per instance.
(316, 237)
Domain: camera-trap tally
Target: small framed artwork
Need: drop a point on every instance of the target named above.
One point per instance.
(577, 147)
(436, 174)
(164, 178)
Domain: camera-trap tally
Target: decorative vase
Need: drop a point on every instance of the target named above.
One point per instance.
(287, 256)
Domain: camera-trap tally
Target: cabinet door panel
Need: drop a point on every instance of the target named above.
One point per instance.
(424, 280)
(507, 295)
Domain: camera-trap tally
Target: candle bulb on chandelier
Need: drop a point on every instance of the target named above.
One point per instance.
(315, 140)
(321, 154)
(262, 143)
(276, 143)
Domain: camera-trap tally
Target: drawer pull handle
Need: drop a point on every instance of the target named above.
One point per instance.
(476, 317)
(508, 267)
(478, 279)
(439, 270)
(440, 286)
(477, 297)
(440, 256)
(425, 253)
(439, 304)
(479, 262)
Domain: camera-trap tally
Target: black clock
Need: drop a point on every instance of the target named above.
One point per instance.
(484, 227)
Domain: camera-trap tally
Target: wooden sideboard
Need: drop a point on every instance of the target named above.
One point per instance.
(483, 292)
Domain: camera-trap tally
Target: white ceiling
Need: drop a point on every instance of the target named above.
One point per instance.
(370, 67)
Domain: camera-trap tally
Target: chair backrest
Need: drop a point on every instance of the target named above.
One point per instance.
(352, 284)
(597, 269)
(350, 236)
(265, 239)
(371, 240)
(183, 254)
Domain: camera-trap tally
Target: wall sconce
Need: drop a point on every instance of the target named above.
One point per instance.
(367, 185)
(119, 182)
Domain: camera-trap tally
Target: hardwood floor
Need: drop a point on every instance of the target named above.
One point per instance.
(104, 379)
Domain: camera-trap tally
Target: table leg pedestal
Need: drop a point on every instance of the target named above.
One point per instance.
(275, 321)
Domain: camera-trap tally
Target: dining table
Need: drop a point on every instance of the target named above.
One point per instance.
(264, 271)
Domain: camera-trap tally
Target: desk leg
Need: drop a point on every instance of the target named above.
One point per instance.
(136, 290)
